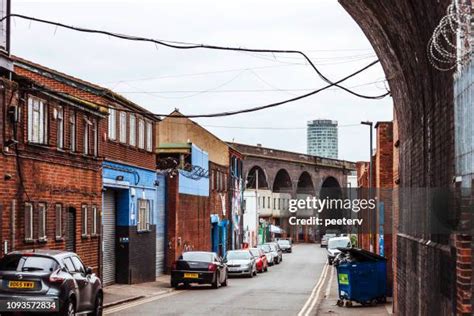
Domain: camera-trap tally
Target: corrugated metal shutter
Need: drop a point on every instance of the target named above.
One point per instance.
(108, 231)
(160, 225)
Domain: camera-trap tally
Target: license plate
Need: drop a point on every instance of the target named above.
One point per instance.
(191, 275)
(21, 285)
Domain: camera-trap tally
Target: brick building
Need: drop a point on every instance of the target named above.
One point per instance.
(51, 187)
(225, 178)
(188, 219)
(120, 141)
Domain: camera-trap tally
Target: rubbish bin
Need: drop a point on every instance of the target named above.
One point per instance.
(362, 277)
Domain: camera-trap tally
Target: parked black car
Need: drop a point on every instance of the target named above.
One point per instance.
(49, 280)
(285, 245)
(199, 267)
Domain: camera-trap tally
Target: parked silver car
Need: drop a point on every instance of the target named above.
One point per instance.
(241, 262)
(268, 253)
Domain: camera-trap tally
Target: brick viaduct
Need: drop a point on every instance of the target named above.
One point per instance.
(433, 273)
(293, 173)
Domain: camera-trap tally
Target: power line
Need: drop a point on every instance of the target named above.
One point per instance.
(185, 46)
(252, 109)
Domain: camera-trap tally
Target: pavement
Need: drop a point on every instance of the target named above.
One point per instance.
(327, 304)
(123, 293)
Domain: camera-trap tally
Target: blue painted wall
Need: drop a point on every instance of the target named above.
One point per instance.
(199, 186)
(136, 184)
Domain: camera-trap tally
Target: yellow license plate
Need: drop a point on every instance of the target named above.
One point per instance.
(21, 285)
(191, 275)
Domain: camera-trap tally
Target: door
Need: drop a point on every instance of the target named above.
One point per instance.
(85, 287)
(71, 230)
(108, 238)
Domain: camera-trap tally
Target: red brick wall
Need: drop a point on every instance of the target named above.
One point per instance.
(384, 183)
(50, 176)
(188, 221)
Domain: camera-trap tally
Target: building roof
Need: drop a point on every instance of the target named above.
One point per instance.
(73, 87)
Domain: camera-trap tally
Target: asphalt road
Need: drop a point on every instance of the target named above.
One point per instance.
(281, 291)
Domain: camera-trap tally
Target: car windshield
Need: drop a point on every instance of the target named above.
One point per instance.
(198, 256)
(255, 252)
(238, 255)
(265, 248)
(27, 263)
(336, 243)
(283, 242)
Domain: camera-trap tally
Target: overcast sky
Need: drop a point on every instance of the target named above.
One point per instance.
(202, 81)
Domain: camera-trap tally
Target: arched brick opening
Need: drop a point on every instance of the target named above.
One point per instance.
(282, 182)
(399, 32)
(305, 184)
(251, 179)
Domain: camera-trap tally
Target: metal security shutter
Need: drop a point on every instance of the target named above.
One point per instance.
(160, 226)
(108, 231)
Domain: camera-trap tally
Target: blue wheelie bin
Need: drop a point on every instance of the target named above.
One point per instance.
(362, 277)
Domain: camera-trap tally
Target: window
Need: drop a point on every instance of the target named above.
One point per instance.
(69, 265)
(59, 221)
(143, 222)
(28, 221)
(274, 203)
(112, 128)
(95, 140)
(72, 131)
(79, 266)
(123, 127)
(149, 136)
(86, 136)
(37, 121)
(133, 130)
(269, 206)
(84, 220)
(263, 200)
(141, 134)
(94, 221)
(42, 221)
(60, 127)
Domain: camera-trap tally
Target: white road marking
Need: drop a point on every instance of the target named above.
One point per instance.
(140, 302)
(328, 287)
(314, 293)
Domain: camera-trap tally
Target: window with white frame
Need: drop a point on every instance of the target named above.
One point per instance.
(84, 220)
(86, 136)
(141, 134)
(112, 126)
(28, 221)
(133, 130)
(37, 121)
(72, 131)
(123, 127)
(59, 221)
(149, 136)
(60, 127)
(94, 221)
(42, 221)
(144, 218)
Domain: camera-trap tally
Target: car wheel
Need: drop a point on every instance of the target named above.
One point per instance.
(255, 272)
(98, 307)
(174, 284)
(70, 308)
(215, 284)
(225, 281)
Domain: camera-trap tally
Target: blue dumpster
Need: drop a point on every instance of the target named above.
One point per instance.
(362, 277)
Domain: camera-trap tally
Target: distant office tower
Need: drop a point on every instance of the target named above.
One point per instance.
(322, 138)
